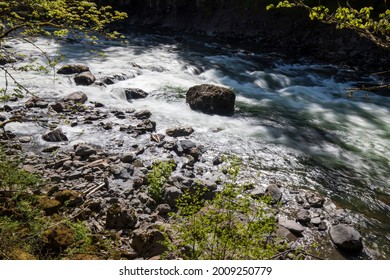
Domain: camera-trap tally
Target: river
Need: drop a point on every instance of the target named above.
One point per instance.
(294, 121)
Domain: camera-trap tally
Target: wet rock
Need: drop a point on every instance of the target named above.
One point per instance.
(315, 221)
(121, 217)
(84, 79)
(135, 93)
(73, 69)
(274, 192)
(128, 157)
(347, 238)
(211, 99)
(107, 126)
(217, 160)
(187, 145)
(179, 131)
(36, 102)
(2, 118)
(6, 58)
(25, 139)
(7, 108)
(58, 107)
(299, 199)
(315, 200)
(50, 149)
(122, 171)
(145, 126)
(84, 150)
(292, 226)
(148, 242)
(143, 115)
(55, 135)
(77, 97)
(110, 80)
(303, 216)
(171, 195)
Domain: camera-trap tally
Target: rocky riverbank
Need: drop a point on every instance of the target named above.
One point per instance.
(106, 185)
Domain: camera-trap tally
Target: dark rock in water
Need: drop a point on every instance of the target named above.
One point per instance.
(179, 131)
(120, 217)
(76, 97)
(274, 192)
(128, 157)
(2, 118)
(50, 149)
(6, 59)
(73, 69)
(58, 107)
(143, 115)
(315, 200)
(55, 135)
(110, 80)
(7, 108)
(211, 99)
(84, 79)
(217, 160)
(347, 238)
(135, 93)
(36, 102)
(84, 150)
(145, 126)
(187, 145)
(292, 226)
(303, 216)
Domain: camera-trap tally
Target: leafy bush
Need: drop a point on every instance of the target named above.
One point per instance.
(157, 177)
(231, 226)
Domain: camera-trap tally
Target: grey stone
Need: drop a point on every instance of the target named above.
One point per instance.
(315, 221)
(84, 79)
(135, 93)
(345, 237)
(211, 99)
(55, 135)
(128, 157)
(143, 115)
(322, 226)
(76, 97)
(25, 139)
(84, 150)
(274, 192)
(110, 80)
(315, 200)
(299, 199)
(303, 216)
(292, 226)
(179, 131)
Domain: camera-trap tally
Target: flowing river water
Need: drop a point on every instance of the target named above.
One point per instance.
(294, 121)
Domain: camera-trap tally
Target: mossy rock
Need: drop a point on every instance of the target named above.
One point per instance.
(69, 198)
(19, 254)
(59, 237)
(50, 206)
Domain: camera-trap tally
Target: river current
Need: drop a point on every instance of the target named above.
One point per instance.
(294, 121)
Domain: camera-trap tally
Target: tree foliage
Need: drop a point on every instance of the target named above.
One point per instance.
(363, 21)
(34, 16)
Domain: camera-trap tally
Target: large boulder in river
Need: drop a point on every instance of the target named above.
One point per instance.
(347, 238)
(76, 97)
(73, 69)
(211, 99)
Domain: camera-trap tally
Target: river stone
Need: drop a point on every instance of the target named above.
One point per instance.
(187, 145)
(84, 79)
(315, 200)
(73, 69)
(135, 93)
(179, 131)
(84, 150)
(211, 99)
(303, 216)
(110, 80)
(274, 192)
(76, 97)
(143, 115)
(345, 237)
(315, 221)
(36, 102)
(55, 135)
(292, 226)
(25, 139)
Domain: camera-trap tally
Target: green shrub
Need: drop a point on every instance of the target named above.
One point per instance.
(157, 177)
(231, 226)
